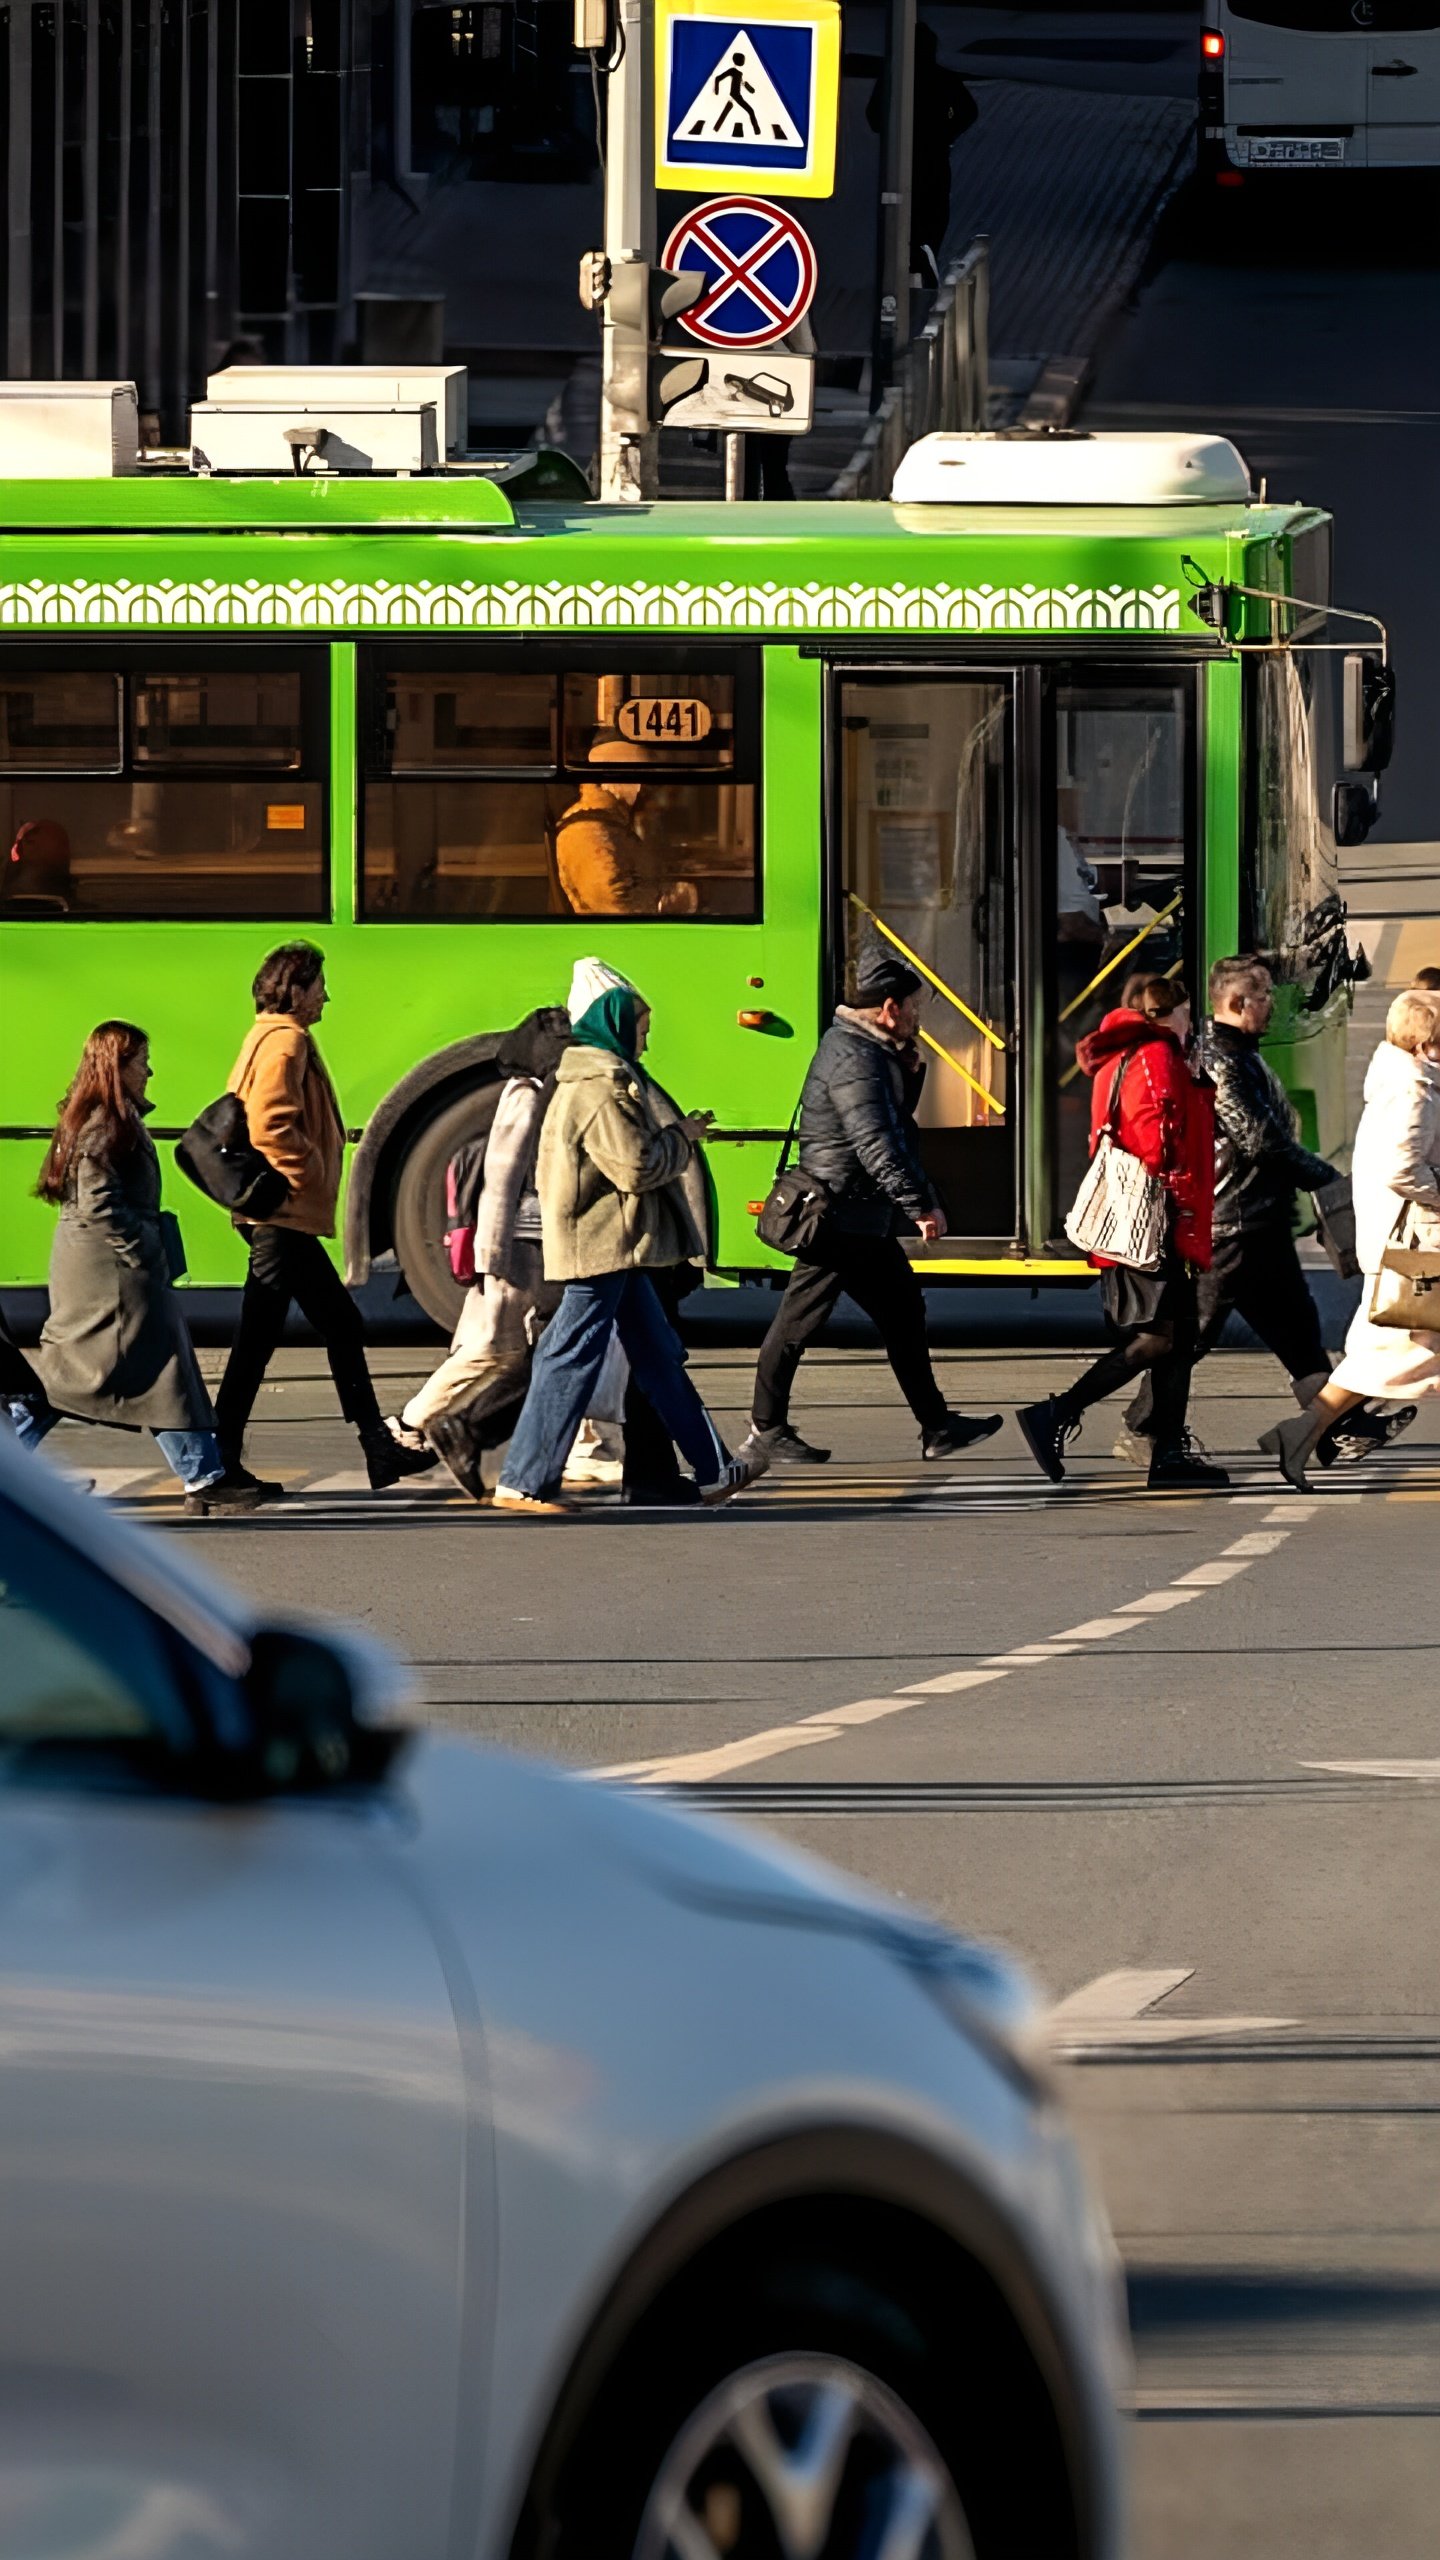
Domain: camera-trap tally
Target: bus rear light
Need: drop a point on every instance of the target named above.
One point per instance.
(1212, 45)
(1229, 177)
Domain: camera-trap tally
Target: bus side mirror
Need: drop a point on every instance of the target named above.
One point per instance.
(1369, 721)
(1355, 806)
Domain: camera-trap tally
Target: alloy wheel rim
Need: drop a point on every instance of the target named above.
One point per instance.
(803, 2457)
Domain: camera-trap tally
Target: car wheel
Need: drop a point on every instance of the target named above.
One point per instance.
(803, 2457)
(418, 1217)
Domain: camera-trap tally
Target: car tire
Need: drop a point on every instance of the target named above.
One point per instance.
(418, 1212)
(792, 2427)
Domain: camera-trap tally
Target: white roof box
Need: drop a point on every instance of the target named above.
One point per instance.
(68, 430)
(316, 438)
(445, 386)
(1103, 470)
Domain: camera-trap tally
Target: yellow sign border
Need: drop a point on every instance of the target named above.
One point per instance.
(819, 178)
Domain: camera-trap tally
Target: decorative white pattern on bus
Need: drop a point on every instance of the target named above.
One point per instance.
(324, 604)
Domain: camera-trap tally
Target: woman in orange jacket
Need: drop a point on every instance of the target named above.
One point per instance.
(1163, 1112)
(294, 1121)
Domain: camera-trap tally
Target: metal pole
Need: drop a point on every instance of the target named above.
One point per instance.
(629, 464)
(734, 466)
(892, 319)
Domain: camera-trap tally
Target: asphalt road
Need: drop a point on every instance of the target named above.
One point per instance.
(1090, 1722)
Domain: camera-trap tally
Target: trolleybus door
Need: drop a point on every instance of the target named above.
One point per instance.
(1114, 780)
(924, 772)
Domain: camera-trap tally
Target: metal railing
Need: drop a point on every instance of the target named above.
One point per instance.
(942, 379)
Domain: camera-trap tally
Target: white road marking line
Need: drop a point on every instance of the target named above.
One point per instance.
(1020, 1654)
(1114, 2010)
(1204, 1577)
(861, 1711)
(1290, 1511)
(1151, 1603)
(1258, 1542)
(1094, 1630)
(727, 1755)
(1122, 1994)
(113, 1480)
(1425, 1770)
(949, 1681)
(349, 1480)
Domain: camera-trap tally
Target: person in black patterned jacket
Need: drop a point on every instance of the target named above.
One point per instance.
(857, 1137)
(1260, 1165)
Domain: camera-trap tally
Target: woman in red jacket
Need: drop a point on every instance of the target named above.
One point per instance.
(1167, 1118)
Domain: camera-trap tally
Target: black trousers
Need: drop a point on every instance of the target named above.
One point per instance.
(284, 1267)
(1259, 1275)
(880, 1278)
(1151, 1321)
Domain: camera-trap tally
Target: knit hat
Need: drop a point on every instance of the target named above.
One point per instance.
(879, 975)
(591, 979)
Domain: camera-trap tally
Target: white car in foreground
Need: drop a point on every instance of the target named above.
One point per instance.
(407, 2153)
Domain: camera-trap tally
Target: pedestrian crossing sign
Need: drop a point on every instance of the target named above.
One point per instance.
(747, 93)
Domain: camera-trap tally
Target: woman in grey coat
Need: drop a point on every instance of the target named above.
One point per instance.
(116, 1348)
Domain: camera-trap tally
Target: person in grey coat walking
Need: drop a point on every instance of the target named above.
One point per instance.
(116, 1348)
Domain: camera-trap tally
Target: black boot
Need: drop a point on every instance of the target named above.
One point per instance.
(387, 1459)
(456, 1449)
(1185, 1469)
(958, 1431)
(1045, 1428)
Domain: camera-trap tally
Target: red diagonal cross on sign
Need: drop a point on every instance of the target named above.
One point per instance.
(737, 269)
(738, 285)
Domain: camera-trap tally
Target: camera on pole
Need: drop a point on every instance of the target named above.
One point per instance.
(642, 381)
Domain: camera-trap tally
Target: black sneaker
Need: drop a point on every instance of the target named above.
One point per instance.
(386, 1461)
(959, 1431)
(224, 1495)
(265, 1491)
(1185, 1470)
(1360, 1436)
(456, 1451)
(1044, 1429)
(784, 1447)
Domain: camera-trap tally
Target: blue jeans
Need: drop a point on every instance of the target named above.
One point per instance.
(193, 1456)
(568, 1362)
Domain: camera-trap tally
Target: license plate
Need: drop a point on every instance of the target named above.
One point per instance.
(1295, 150)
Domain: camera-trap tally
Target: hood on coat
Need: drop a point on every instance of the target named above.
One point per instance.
(1123, 1029)
(579, 1065)
(1392, 1072)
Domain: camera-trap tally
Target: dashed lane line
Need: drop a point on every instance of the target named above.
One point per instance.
(1118, 2009)
(691, 1767)
(1427, 1771)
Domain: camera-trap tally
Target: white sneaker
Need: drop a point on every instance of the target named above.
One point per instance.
(739, 1472)
(593, 1466)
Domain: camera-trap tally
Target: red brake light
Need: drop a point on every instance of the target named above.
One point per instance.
(1212, 45)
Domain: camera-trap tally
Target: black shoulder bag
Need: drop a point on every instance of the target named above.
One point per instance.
(220, 1159)
(796, 1205)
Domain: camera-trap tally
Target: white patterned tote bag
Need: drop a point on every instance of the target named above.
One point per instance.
(1120, 1208)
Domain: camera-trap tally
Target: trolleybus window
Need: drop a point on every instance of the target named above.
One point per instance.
(1122, 797)
(495, 791)
(1341, 17)
(135, 789)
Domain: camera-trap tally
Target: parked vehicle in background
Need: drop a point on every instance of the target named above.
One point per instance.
(1319, 84)
(409, 2150)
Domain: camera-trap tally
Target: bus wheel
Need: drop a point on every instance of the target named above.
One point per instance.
(418, 1218)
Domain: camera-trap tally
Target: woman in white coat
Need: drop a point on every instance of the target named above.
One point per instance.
(1396, 1163)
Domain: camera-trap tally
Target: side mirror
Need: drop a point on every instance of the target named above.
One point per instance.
(1369, 713)
(324, 1707)
(1355, 806)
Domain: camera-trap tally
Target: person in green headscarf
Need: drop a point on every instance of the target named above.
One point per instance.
(613, 1209)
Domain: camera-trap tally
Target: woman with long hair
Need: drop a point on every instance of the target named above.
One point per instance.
(116, 1348)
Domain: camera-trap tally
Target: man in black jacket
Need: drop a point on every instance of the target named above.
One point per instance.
(1260, 1165)
(857, 1137)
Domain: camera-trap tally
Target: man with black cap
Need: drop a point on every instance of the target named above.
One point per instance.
(857, 1138)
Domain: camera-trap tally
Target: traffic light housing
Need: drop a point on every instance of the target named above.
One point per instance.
(642, 382)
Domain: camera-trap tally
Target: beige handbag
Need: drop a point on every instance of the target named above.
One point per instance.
(1405, 1293)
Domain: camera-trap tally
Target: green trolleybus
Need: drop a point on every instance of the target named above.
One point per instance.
(1057, 713)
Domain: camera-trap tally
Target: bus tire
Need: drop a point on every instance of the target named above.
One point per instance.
(418, 1215)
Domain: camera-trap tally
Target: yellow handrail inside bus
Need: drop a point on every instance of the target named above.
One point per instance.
(973, 1081)
(926, 971)
(1123, 953)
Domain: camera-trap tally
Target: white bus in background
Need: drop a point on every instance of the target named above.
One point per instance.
(1307, 84)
